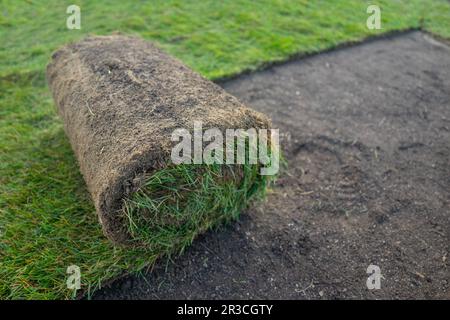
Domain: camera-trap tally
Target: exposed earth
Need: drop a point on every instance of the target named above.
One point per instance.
(366, 134)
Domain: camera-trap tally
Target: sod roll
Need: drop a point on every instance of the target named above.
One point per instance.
(120, 99)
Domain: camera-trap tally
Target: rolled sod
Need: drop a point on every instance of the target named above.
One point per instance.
(120, 99)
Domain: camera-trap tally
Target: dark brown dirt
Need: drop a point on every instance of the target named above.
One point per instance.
(367, 137)
(120, 99)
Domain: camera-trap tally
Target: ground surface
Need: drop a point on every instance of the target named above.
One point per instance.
(366, 132)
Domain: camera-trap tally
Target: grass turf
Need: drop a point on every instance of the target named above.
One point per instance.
(47, 221)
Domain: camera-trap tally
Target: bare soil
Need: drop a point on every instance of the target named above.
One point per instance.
(366, 134)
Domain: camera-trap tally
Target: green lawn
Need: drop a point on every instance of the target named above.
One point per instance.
(47, 221)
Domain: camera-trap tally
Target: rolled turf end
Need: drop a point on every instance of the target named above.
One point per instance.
(120, 98)
(177, 203)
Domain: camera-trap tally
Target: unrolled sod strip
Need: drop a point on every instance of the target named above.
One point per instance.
(120, 99)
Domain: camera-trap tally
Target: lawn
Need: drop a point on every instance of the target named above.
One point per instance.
(47, 221)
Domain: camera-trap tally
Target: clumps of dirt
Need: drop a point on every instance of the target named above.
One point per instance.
(120, 99)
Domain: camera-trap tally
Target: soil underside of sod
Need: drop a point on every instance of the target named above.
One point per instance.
(366, 137)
